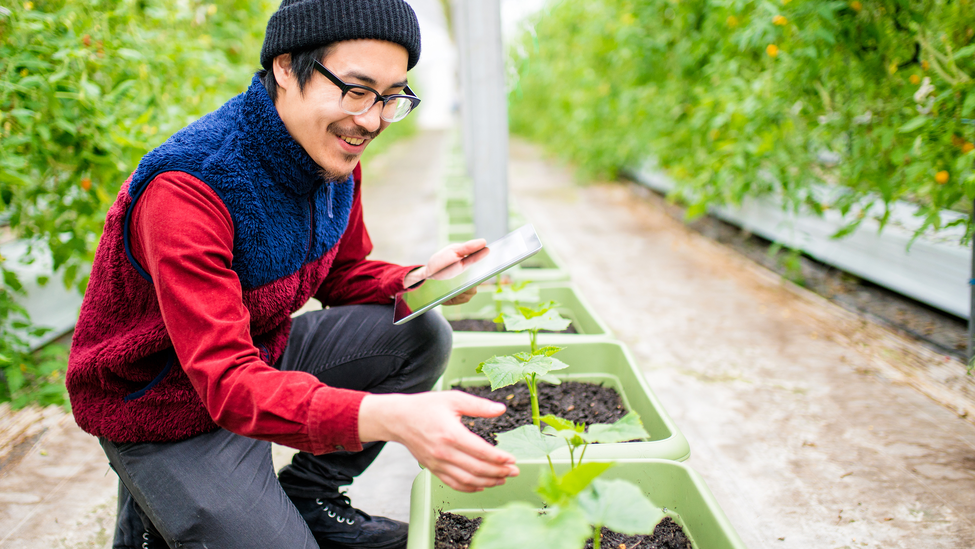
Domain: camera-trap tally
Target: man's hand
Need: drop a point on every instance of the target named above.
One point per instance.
(446, 257)
(429, 425)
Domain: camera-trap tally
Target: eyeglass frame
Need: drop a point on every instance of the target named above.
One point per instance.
(345, 87)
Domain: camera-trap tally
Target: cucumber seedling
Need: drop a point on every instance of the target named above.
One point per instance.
(532, 366)
(578, 503)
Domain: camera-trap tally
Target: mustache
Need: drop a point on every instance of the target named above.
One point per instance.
(354, 131)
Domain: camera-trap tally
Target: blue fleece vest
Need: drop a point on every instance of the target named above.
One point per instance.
(285, 213)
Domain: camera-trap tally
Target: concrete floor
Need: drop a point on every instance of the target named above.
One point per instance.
(796, 412)
(799, 414)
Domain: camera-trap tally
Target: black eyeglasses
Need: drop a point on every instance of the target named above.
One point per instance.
(357, 99)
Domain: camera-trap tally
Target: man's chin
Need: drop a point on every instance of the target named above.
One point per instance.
(340, 174)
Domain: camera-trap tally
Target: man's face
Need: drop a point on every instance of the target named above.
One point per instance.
(335, 140)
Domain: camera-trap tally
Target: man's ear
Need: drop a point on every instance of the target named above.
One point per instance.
(283, 74)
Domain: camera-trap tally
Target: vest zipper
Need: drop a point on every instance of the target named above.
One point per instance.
(328, 188)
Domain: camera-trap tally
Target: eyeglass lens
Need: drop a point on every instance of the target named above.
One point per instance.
(358, 101)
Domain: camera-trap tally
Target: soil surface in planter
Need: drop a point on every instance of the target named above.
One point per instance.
(455, 532)
(488, 325)
(573, 400)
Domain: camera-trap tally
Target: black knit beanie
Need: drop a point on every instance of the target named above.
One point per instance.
(307, 24)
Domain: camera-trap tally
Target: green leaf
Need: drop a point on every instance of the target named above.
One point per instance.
(620, 506)
(549, 351)
(913, 124)
(550, 320)
(964, 52)
(561, 424)
(511, 295)
(527, 442)
(629, 427)
(520, 525)
(508, 370)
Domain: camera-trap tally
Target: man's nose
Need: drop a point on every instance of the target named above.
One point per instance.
(370, 120)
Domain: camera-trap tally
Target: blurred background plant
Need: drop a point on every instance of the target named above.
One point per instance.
(86, 88)
(843, 105)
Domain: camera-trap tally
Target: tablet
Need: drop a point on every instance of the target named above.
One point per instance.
(463, 275)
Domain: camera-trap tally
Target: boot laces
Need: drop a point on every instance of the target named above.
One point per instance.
(339, 507)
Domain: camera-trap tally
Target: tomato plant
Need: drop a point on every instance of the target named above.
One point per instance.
(86, 88)
(872, 99)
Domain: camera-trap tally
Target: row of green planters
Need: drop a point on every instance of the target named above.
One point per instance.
(577, 477)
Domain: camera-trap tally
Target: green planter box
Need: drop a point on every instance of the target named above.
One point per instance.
(572, 306)
(668, 484)
(607, 362)
(545, 266)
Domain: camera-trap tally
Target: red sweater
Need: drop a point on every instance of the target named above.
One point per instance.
(181, 233)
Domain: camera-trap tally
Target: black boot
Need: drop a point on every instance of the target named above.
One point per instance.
(335, 523)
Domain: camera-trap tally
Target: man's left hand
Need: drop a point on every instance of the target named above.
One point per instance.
(453, 253)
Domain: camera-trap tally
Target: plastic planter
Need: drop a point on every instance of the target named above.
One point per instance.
(667, 484)
(545, 266)
(606, 362)
(572, 306)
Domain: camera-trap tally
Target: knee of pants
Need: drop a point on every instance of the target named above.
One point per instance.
(434, 340)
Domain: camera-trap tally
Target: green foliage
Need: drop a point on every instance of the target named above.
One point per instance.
(520, 525)
(502, 371)
(873, 98)
(616, 504)
(87, 88)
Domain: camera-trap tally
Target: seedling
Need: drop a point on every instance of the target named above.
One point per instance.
(532, 366)
(574, 500)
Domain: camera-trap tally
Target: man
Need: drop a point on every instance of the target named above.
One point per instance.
(186, 362)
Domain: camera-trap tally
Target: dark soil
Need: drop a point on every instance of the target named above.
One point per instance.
(576, 401)
(456, 531)
(488, 325)
(666, 535)
(940, 331)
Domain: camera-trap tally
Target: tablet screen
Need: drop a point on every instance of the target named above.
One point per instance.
(463, 275)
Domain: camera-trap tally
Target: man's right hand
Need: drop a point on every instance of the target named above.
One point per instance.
(429, 425)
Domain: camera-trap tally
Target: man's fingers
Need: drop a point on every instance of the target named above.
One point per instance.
(473, 406)
(462, 298)
(469, 247)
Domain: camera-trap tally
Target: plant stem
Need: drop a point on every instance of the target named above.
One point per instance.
(597, 531)
(533, 391)
(583, 454)
(533, 334)
(550, 466)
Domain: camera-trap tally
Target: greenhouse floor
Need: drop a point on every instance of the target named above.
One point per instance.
(798, 414)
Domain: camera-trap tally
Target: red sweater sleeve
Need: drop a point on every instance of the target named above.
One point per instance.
(354, 279)
(182, 235)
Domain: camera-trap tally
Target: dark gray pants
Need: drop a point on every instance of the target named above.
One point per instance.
(219, 490)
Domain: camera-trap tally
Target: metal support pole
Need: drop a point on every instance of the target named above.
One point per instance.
(486, 114)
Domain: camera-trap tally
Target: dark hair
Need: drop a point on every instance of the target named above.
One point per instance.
(302, 66)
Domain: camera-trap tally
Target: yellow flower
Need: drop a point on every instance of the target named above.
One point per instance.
(211, 9)
(967, 148)
(86, 184)
(925, 65)
(915, 79)
(772, 50)
(857, 6)
(780, 20)
(941, 177)
(784, 2)
(732, 21)
(28, 6)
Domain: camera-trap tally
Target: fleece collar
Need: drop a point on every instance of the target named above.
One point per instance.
(267, 138)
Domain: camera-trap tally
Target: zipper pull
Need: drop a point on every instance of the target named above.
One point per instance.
(329, 199)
